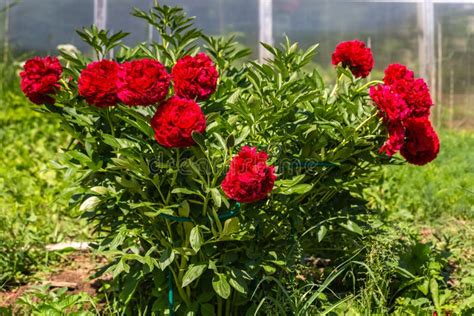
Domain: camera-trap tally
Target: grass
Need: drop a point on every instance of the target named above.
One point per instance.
(431, 208)
(33, 209)
(436, 191)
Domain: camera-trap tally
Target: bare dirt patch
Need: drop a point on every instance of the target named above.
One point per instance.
(75, 276)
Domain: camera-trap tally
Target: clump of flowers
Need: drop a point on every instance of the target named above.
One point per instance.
(249, 178)
(400, 100)
(40, 79)
(422, 142)
(354, 55)
(195, 77)
(179, 228)
(176, 120)
(98, 83)
(142, 82)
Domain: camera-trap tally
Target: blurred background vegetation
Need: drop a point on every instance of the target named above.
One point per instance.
(422, 224)
(394, 30)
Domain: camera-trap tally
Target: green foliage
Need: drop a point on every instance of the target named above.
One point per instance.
(159, 213)
(42, 300)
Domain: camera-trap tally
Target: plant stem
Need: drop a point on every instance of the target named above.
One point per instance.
(183, 265)
(181, 292)
(365, 121)
(175, 176)
(368, 84)
(219, 306)
(217, 220)
(333, 92)
(228, 304)
(109, 120)
(204, 206)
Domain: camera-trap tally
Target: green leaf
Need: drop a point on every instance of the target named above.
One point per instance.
(89, 204)
(221, 286)
(194, 272)
(130, 285)
(353, 227)
(230, 141)
(289, 182)
(435, 292)
(185, 191)
(199, 139)
(100, 190)
(269, 269)
(322, 232)
(424, 287)
(216, 197)
(243, 135)
(167, 257)
(237, 281)
(231, 226)
(184, 209)
(121, 266)
(221, 141)
(195, 238)
(297, 189)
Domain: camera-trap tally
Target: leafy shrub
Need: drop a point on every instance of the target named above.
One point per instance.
(178, 244)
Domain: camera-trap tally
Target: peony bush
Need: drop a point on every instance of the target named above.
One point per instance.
(207, 176)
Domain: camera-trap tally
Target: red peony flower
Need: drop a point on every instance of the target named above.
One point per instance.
(142, 82)
(175, 120)
(422, 142)
(195, 77)
(415, 92)
(404, 103)
(397, 72)
(249, 178)
(418, 99)
(98, 83)
(396, 138)
(392, 107)
(40, 79)
(356, 56)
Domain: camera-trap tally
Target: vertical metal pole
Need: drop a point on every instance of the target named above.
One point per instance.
(150, 27)
(439, 72)
(426, 46)
(150, 34)
(421, 44)
(100, 18)
(100, 14)
(265, 19)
